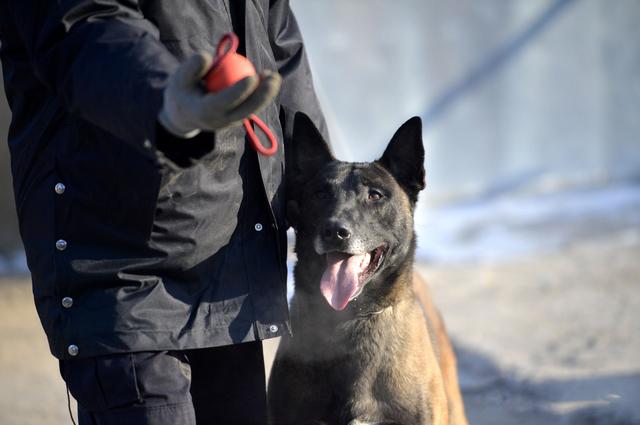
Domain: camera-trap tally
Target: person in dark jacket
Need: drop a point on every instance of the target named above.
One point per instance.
(154, 233)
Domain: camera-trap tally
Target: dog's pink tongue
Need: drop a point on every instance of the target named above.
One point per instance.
(340, 280)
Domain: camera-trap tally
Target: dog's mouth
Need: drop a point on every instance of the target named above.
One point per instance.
(346, 275)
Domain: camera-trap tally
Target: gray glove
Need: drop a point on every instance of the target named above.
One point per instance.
(188, 108)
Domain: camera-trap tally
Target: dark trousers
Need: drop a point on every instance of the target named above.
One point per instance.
(210, 386)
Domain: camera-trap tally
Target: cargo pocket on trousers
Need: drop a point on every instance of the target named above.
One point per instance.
(102, 383)
(118, 380)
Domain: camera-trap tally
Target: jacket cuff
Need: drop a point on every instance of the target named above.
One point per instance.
(179, 153)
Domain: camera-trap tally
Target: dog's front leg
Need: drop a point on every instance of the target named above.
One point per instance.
(360, 422)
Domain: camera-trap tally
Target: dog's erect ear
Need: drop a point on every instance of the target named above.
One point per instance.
(307, 153)
(404, 157)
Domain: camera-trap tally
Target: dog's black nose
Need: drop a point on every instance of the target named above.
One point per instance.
(335, 230)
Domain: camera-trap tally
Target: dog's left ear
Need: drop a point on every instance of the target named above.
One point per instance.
(404, 157)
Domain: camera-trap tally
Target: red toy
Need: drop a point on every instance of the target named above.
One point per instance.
(228, 68)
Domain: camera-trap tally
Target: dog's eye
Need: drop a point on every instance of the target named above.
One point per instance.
(374, 195)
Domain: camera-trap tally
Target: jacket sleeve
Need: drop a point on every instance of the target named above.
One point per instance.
(297, 93)
(102, 60)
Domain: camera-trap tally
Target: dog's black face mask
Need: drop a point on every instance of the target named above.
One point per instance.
(355, 218)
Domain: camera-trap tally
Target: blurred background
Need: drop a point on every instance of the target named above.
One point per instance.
(529, 229)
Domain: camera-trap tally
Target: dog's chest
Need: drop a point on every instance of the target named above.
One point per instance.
(371, 383)
(367, 365)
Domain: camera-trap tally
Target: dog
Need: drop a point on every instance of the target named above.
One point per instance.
(368, 345)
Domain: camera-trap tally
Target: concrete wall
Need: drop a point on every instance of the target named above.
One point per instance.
(564, 111)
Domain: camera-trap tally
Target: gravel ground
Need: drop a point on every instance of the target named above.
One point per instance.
(31, 390)
(546, 339)
(549, 339)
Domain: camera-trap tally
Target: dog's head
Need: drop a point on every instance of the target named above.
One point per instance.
(356, 219)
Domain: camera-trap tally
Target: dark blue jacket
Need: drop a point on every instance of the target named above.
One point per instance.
(137, 240)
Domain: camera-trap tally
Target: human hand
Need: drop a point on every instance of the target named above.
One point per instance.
(188, 108)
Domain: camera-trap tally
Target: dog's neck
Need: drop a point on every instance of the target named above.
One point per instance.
(316, 324)
(366, 314)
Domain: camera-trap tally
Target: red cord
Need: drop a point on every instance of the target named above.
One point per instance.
(257, 145)
(227, 45)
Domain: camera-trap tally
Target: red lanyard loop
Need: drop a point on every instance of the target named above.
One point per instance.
(257, 145)
(228, 44)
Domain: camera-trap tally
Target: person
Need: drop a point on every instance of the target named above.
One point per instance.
(155, 235)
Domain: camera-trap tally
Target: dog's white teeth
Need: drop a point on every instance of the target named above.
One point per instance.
(365, 261)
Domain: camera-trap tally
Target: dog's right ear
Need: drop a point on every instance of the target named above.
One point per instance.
(306, 155)
(404, 157)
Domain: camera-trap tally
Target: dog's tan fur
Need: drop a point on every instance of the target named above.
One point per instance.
(447, 357)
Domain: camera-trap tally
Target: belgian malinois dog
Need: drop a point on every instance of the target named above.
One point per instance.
(368, 345)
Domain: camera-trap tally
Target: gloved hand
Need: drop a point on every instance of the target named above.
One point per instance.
(188, 108)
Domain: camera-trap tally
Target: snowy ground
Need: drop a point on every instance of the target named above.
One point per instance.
(506, 227)
(541, 295)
